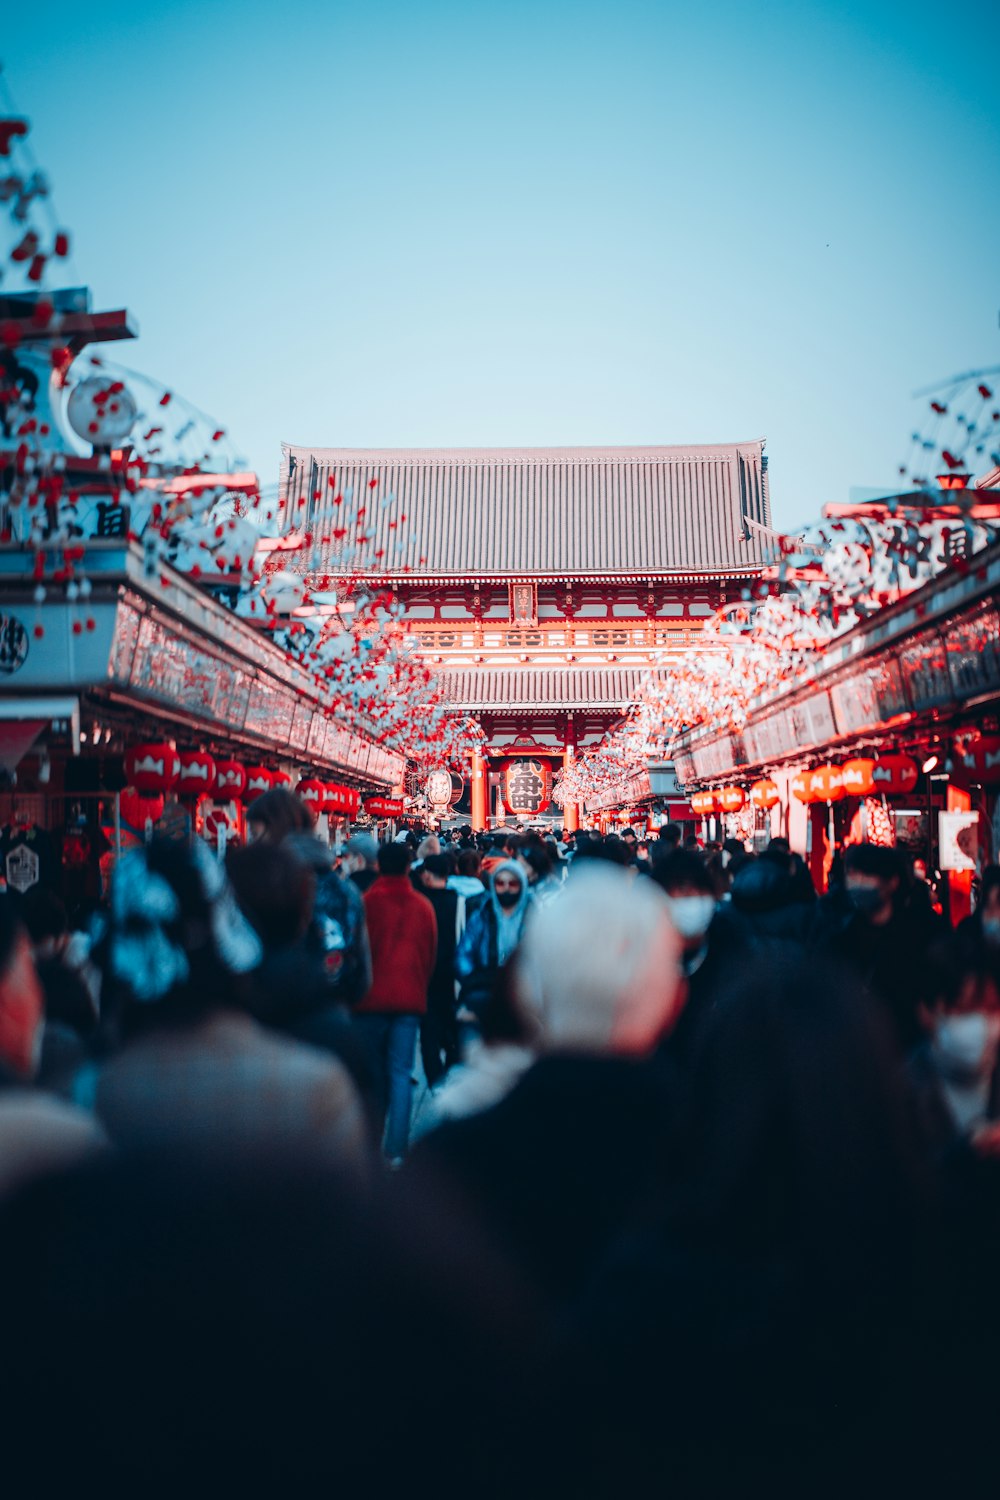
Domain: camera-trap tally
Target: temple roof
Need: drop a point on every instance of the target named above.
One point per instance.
(539, 512)
(499, 688)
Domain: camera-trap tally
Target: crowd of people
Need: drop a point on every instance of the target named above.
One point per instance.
(496, 1163)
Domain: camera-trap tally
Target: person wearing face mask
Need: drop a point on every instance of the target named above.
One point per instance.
(982, 929)
(954, 1070)
(869, 923)
(713, 941)
(491, 935)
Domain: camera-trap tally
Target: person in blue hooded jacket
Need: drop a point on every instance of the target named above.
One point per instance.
(492, 933)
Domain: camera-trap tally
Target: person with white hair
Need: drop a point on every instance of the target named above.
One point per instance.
(554, 1169)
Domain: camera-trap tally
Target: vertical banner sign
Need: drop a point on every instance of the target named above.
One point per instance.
(526, 786)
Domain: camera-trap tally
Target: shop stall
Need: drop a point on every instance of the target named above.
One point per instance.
(893, 737)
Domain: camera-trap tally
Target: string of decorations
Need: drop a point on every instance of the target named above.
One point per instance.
(817, 585)
(170, 479)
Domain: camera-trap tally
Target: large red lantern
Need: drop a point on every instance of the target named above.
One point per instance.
(856, 775)
(259, 781)
(732, 799)
(282, 779)
(765, 794)
(802, 788)
(313, 794)
(704, 803)
(895, 774)
(152, 768)
(230, 780)
(335, 800)
(526, 785)
(135, 809)
(384, 807)
(826, 784)
(197, 775)
(980, 759)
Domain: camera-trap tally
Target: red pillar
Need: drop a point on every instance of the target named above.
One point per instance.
(479, 782)
(571, 812)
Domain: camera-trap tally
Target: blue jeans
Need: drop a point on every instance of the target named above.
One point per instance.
(391, 1043)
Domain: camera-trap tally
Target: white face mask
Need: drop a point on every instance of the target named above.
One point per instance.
(691, 915)
(966, 1045)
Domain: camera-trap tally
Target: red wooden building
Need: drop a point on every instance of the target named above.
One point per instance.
(542, 582)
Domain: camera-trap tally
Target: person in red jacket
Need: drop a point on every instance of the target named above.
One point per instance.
(402, 931)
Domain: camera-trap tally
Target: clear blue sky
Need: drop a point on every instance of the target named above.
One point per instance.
(422, 224)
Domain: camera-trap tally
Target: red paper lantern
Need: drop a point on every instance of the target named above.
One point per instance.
(765, 794)
(384, 807)
(152, 768)
(197, 774)
(802, 789)
(259, 781)
(895, 774)
(313, 794)
(827, 784)
(526, 785)
(335, 800)
(230, 780)
(732, 799)
(134, 809)
(980, 759)
(704, 803)
(282, 779)
(857, 776)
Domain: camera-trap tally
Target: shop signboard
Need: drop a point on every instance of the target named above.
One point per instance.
(958, 840)
(924, 668)
(812, 720)
(972, 647)
(169, 667)
(869, 696)
(270, 710)
(719, 756)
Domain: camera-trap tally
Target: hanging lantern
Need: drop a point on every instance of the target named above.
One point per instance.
(384, 807)
(857, 776)
(230, 780)
(895, 774)
(980, 759)
(526, 785)
(313, 794)
(197, 775)
(704, 803)
(152, 768)
(282, 779)
(826, 784)
(259, 781)
(765, 794)
(135, 810)
(802, 789)
(732, 799)
(335, 799)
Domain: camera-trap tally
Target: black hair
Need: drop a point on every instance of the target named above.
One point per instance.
(44, 915)
(874, 859)
(672, 834)
(439, 865)
(681, 867)
(394, 859)
(10, 926)
(275, 889)
(612, 850)
(281, 813)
